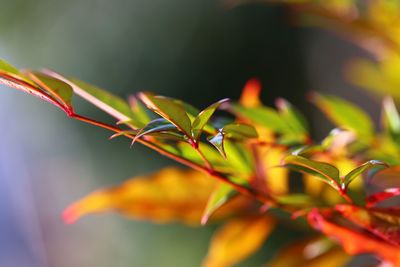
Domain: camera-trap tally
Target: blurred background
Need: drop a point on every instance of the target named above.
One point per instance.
(199, 51)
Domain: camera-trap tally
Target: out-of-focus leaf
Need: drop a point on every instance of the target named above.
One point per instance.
(221, 195)
(263, 116)
(237, 240)
(298, 200)
(337, 141)
(203, 117)
(169, 110)
(139, 110)
(155, 126)
(354, 242)
(250, 96)
(58, 89)
(168, 195)
(371, 166)
(345, 115)
(391, 119)
(374, 199)
(293, 117)
(8, 68)
(324, 171)
(239, 131)
(381, 225)
(311, 253)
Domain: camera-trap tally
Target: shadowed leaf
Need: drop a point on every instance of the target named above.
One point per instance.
(155, 126)
(374, 199)
(237, 240)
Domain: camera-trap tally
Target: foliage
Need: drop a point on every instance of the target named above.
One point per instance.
(241, 172)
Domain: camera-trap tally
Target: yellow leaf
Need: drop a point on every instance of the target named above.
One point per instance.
(168, 195)
(312, 253)
(237, 240)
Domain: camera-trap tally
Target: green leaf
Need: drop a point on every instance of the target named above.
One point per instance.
(372, 165)
(58, 89)
(345, 114)
(293, 117)
(8, 68)
(299, 200)
(155, 126)
(221, 195)
(218, 142)
(169, 110)
(391, 119)
(203, 117)
(239, 131)
(321, 170)
(263, 116)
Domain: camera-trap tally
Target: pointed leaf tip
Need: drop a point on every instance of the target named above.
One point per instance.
(251, 93)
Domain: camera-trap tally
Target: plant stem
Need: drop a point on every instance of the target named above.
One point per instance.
(247, 191)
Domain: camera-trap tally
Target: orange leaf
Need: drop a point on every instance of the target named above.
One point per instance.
(251, 94)
(237, 240)
(310, 253)
(354, 242)
(168, 195)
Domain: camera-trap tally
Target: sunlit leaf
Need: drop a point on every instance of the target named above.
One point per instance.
(354, 242)
(391, 119)
(344, 114)
(371, 166)
(168, 195)
(58, 89)
(298, 200)
(337, 140)
(111, 104)
(250, 96)
(238, 239)
(310, 253)
(324, 171)
(8, 68)
(221, 195)
(218, 142)
(169, 110)
(203, 117)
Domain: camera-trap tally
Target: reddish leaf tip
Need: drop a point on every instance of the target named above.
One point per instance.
(70, 215)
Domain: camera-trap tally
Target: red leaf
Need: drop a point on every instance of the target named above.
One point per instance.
(374, 199)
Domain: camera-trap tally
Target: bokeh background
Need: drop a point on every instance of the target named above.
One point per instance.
(199, 51)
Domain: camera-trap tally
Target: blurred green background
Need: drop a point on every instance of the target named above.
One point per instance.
(199, 51)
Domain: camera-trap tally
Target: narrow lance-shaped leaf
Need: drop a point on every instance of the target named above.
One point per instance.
(155, 126)
(203, 117)
(324, 171)
(237, 240)
(111, 104)
(58, 89)
(344, 114)
(221, 195)
(250, 96)
(371, 166)
(218, 142)
(391, 119)
(12, 77)
(169, 110)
